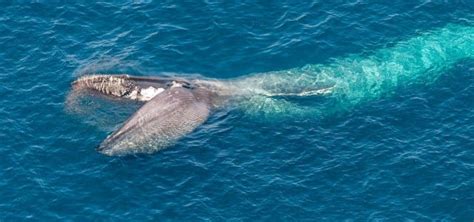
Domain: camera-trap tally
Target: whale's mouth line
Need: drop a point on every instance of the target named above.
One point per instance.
(138, 88)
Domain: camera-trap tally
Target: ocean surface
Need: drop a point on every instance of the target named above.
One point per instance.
(403, 155)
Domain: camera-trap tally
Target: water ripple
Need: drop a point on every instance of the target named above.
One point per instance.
(406, 156)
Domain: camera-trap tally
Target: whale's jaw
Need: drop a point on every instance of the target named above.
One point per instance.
(160, 122)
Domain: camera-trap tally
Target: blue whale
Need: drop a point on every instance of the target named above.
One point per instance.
(174, 107)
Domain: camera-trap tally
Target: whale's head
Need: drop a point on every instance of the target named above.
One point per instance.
(173, 107)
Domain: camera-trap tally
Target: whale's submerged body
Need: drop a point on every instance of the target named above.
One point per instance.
(174, 107)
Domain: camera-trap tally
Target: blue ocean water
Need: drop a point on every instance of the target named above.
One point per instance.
(407, 156)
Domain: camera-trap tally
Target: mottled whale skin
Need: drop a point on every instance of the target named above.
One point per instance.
(174, 106)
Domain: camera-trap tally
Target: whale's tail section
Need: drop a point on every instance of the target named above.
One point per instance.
(358, 78)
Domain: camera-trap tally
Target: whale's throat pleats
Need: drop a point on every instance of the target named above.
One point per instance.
(172, 109)
(160, 122)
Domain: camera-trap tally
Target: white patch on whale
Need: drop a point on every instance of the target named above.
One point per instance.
(133, 95)
(149, 93)
(176, 84)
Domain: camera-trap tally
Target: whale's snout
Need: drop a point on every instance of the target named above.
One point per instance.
(110, 146)
(119, 144)
(104, 149)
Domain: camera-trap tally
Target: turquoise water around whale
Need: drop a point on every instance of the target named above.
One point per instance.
(399, 150)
